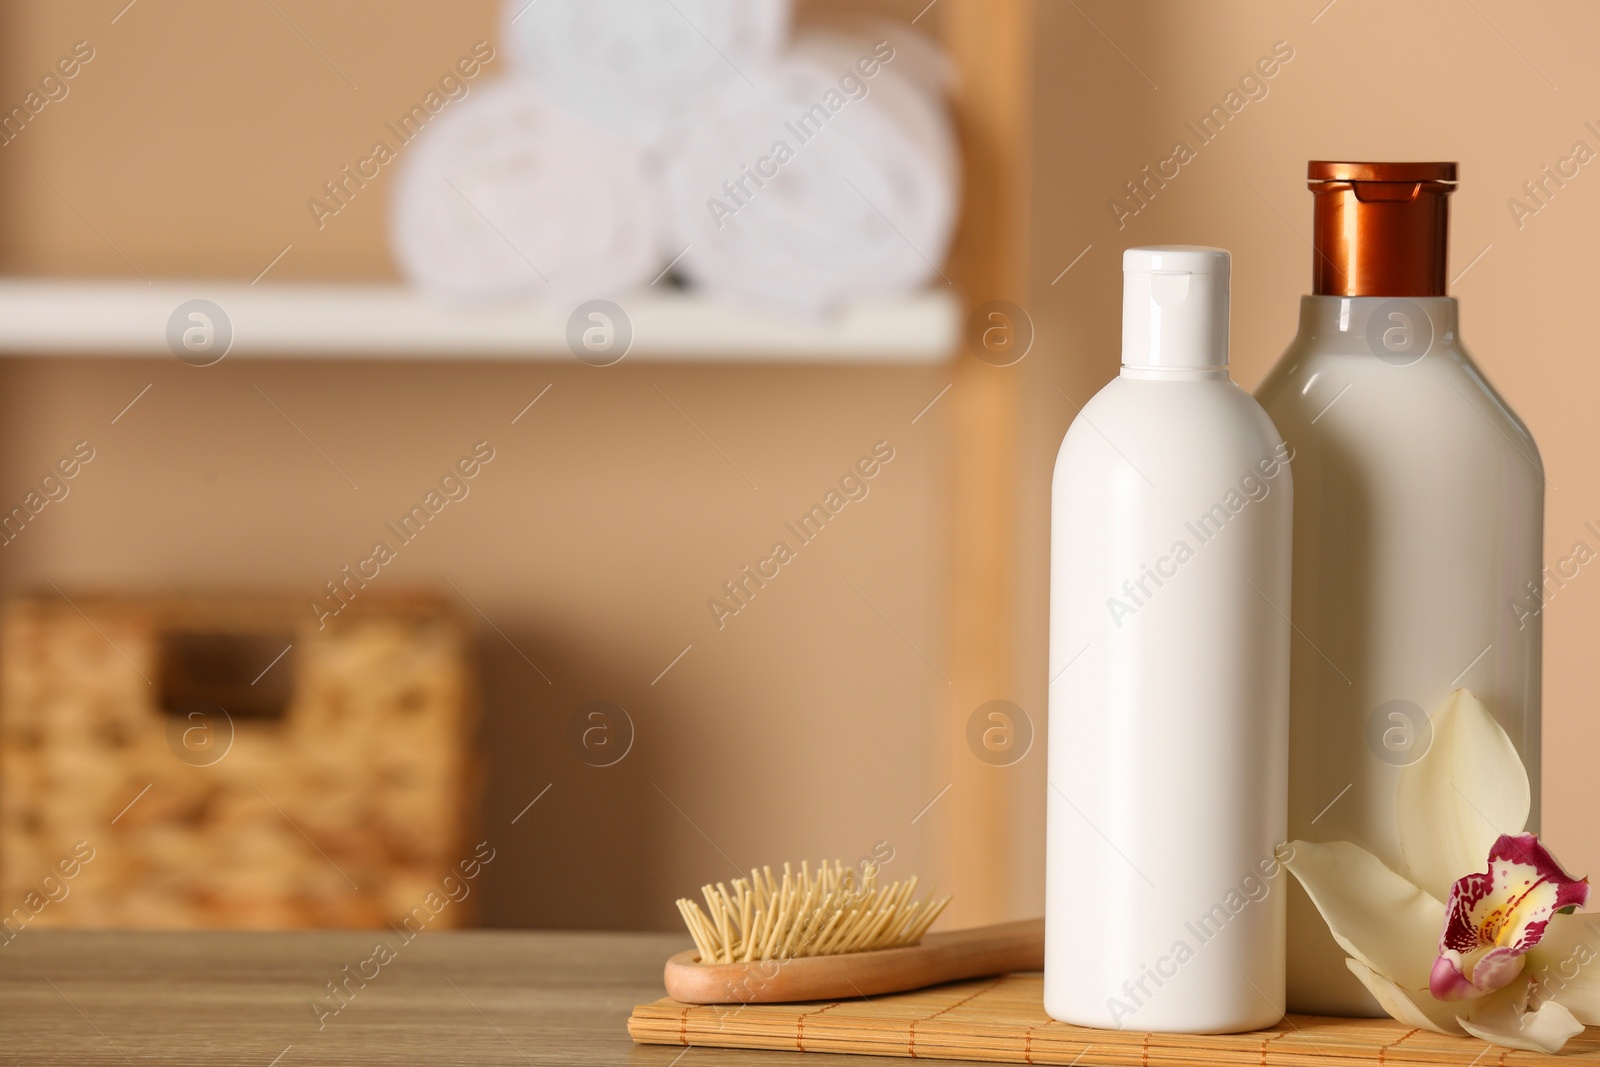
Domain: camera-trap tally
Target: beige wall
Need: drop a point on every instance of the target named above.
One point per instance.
(195, 136)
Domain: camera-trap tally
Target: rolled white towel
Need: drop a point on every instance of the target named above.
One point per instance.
(917, 56)
(634, 67)
(505, 195)
(835, 177)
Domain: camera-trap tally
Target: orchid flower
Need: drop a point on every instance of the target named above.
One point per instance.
(1494, 918)
(1504, 958)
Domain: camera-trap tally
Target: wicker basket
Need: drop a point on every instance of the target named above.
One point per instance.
(219, 786)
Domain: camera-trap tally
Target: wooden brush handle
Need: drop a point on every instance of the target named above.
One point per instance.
(942, 957)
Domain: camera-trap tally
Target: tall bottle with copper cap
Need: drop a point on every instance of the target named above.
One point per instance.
(1419, 507)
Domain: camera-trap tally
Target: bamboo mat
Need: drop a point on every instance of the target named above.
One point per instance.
(1002, 1020)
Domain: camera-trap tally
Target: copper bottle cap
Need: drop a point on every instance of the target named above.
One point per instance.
(1382, 229)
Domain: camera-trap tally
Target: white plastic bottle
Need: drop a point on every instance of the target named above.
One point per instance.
(1419, 512)
(1169, 661)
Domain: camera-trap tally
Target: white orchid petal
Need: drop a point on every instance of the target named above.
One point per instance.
(1457, 799)
(1499, 1021)
(1565, 965)
(1420, 1010)
(1385, 922)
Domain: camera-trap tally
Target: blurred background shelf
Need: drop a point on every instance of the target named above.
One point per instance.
(112, 318)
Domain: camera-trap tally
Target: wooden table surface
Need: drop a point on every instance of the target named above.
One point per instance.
(482, 997)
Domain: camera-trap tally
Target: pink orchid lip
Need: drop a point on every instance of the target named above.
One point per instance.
(1493, 917)
(1447, 982)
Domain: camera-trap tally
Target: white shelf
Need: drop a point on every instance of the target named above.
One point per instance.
(103, 318)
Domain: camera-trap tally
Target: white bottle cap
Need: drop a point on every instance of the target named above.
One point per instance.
(1175, 306)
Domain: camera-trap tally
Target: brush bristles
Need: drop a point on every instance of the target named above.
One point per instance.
(837, 909)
